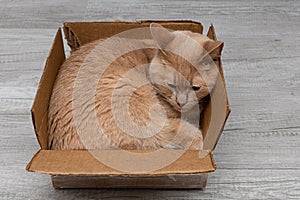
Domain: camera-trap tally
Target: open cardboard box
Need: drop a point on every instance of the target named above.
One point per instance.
(78, 168)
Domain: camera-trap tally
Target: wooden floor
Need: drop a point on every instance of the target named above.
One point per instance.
(258, 155)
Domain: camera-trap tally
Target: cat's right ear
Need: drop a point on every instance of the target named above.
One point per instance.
(161, 35)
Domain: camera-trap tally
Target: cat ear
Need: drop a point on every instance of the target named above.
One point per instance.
(214, 47)
(161, 35)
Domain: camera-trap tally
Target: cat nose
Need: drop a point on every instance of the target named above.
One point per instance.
(181, 101)
(180, 104)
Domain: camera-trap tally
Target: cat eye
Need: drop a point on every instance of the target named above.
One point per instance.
(171, 85)
(206, 62)
(196, 88)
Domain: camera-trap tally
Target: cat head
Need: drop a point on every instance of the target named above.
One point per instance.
(183, 81)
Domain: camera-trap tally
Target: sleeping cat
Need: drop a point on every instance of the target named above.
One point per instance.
(148, 98)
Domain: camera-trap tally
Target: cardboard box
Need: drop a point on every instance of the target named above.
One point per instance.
(78, 168)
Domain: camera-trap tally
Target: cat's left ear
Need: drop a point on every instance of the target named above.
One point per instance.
(161, 35)
(214, 47)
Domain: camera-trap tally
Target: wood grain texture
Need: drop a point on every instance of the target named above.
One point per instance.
(258, 156)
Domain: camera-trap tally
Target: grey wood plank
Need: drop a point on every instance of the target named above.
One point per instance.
(18, 46)
(40, 14)
(29, 44)
(15, 106)
(16, 124)
(20, 79)
(17, 67)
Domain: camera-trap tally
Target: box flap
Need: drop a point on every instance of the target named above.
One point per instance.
(39, 110)
(82, 162)
(217, 109)
(80, 33)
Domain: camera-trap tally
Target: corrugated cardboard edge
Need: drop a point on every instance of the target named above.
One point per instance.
(82, 162)
(111, 28)
(39, 110)
(71, 37)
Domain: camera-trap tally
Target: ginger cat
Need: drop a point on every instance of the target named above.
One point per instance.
(158, 114)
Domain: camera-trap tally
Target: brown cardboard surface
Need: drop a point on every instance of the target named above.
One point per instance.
(80, 33)
(81, 162)
(221, 93)
(212, 130)
(39, 110)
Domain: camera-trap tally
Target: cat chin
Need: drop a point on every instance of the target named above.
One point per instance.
(189, 107)
(185, 109)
